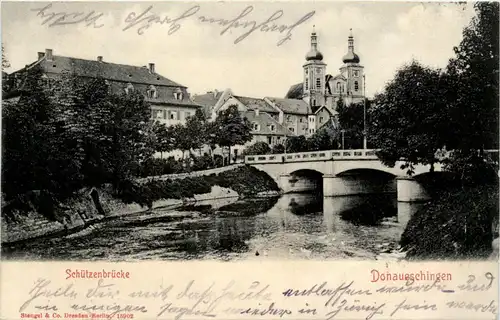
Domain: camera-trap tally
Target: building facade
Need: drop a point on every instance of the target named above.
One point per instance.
(170, 102)
(273, 120)
(320, 89)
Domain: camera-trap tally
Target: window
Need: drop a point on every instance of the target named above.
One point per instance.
(187, 114)
(173, 115)
(178, 94)
(289, 118)
(291, 129)
(129, 88)
(273, 128)
(356, 86)
(355, 73)
(300, 120)
(307, 84)
(340, 87)
(152, 93)
(269, 140)
(318, 83)
(314, 102)
(255, 126)
(320, 119)
(318, 70)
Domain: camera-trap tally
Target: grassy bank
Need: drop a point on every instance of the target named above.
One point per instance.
(457, 225)
(246, 181)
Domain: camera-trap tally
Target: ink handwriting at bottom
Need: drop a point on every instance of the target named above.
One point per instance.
(270, 310)
(204, 301)
(43, 289)
(267, 25)
(403, 306)
(371, 309)
(181, 311)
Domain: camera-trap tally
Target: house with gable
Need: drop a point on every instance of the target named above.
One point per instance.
(170, 101)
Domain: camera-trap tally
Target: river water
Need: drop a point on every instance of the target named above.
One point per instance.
(293, 226)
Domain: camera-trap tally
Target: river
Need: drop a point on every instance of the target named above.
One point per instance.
(293, 226)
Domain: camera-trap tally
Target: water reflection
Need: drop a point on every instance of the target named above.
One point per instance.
(291, 226)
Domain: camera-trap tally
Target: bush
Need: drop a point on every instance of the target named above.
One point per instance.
(278, 148)
(457, 225)
(257, 148)
(244, 180)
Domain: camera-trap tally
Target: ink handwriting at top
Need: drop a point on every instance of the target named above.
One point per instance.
(267, 25)
(61, 18)
(145, 19)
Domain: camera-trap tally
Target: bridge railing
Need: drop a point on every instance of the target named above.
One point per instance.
(357, 154)
(312, 156)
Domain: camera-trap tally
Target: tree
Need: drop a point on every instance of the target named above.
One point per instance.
(37, 152)
(297, 144)
(323, 139)
(278, 148)
(232, 129)
(259, 147)
(351, 120)
(406, 123)
(473, 76)
(5, 61)
(196, 130)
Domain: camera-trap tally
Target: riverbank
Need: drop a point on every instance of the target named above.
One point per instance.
(91, 206)
(460, 224)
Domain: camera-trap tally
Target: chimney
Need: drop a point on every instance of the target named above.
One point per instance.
(99, 58)
(41, 55)
(48, 54)
(256, 112)
(215, 93)
(152, 67)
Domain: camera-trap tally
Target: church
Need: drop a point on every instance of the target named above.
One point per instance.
(320, 89)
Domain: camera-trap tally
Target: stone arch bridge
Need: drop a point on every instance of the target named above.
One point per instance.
(342, 173)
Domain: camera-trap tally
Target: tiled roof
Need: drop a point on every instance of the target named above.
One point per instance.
(295, 91)
(265, 121)
(208, 101)
(256, 104)
(117, 75)
(339, 76)
(106, 70)
(294, 106)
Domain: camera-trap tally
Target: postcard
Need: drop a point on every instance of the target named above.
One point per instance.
(237, 160)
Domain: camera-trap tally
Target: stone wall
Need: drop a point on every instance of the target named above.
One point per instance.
(82, 211)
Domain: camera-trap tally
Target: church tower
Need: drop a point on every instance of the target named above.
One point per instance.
(314, 75)
(352, 71)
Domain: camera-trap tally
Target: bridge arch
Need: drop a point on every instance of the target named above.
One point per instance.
(302, 180)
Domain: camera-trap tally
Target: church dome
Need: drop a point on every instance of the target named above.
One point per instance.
(314, 55)
(351, 57)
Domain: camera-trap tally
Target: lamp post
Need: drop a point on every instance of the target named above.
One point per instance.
(364, 112)
(342, 131)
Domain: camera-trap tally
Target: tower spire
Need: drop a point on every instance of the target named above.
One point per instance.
(314, 39)
(350, 56)
(314, 54)
(350, 41)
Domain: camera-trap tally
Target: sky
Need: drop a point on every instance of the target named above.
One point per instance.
(204, 56)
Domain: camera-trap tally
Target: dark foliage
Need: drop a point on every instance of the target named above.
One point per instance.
(457, 225)
(244, 180)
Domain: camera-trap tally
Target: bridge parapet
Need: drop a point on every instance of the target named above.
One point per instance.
(359, 154)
